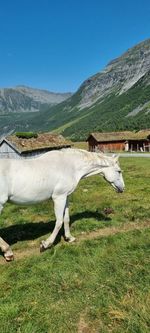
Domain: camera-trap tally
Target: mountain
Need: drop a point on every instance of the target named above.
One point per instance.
(25, 99)
(117, 98)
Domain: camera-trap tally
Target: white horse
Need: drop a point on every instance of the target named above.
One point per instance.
(55, 174)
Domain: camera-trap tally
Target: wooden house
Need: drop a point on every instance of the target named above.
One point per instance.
(13, 146)
(120, 141)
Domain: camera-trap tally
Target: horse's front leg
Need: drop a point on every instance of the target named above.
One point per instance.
(5, 248)
(59, 207)
(68, 237)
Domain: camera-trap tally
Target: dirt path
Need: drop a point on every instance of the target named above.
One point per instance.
(33, 249)
(114, 230)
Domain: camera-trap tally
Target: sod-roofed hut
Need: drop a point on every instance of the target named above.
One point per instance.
(119, 141)
(28, 146)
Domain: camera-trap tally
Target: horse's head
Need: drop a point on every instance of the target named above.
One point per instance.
(112, 173)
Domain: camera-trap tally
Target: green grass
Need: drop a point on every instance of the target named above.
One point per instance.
(97, 285)
(68, 124)
(105, 282)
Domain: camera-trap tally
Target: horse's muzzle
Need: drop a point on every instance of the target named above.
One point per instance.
(119, 189)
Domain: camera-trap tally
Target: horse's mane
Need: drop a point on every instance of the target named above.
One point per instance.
(89, 156)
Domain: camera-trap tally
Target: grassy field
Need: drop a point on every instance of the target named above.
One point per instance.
(81, 145)
(98, 284)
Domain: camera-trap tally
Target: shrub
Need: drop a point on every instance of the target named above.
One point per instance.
(26, 135)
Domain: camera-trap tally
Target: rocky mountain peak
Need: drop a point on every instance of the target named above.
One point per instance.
(118, 76)
(25, 99)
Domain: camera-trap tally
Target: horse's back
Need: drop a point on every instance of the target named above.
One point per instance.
(26, 181)
(35, 180)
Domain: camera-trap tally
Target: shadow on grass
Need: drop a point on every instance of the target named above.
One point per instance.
(88, 214)
(31, 231)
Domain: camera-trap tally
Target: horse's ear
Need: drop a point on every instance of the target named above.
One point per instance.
(116, 157)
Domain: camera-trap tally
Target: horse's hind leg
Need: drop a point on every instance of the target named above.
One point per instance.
(59, 207)
(5, 248)
(68, 237)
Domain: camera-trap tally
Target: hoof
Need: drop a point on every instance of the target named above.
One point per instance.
(70, 239)
(9, 257)
(43, 247)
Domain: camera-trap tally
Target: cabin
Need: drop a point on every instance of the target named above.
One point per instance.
(119, 141)
(20, 146)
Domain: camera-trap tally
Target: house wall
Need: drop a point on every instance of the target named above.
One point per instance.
(92, 143)
(32, 154)
(111, 146)
(39, 152)
(105, 146)
(7, 152)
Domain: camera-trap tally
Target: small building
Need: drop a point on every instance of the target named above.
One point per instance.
(119, 141)
(13, 146)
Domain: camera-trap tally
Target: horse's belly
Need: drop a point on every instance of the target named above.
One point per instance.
(30, 196)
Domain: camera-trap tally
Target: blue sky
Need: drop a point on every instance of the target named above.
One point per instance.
(56, 45)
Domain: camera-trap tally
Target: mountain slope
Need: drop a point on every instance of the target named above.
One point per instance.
(104, 100)
(129, 111)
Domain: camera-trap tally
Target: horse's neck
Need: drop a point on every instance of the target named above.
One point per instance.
(90, 164)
